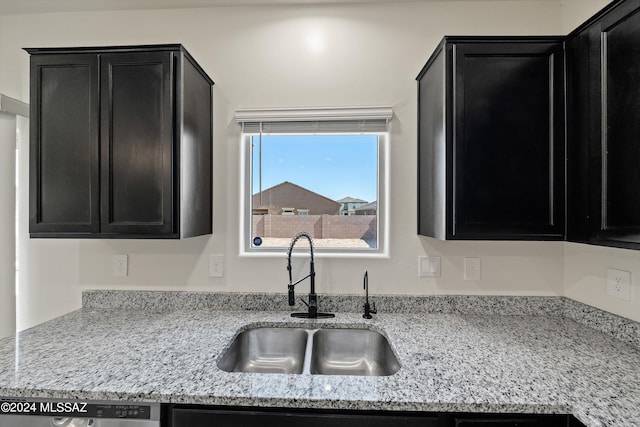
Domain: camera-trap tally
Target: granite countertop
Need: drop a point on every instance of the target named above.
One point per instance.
(450, 362)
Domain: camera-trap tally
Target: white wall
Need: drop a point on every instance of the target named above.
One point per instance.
(259, 58)
(586, 277)
(7, 224)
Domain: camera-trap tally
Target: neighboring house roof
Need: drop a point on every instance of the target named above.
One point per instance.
(290, 195)
(368, 207)
(350, 199)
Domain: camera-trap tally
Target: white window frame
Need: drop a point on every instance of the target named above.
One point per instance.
(299, 118)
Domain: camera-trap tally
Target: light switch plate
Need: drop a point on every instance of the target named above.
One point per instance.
(216, 265)
(619, 284)
(429, 266)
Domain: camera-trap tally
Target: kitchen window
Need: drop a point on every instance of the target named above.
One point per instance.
(302, 168)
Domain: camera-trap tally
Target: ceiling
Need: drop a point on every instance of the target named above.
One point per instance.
(10, 7)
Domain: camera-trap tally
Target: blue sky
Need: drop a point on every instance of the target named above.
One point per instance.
(334, 166)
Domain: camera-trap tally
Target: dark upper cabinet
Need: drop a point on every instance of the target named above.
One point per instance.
(491, 139)
(121, 143)
(603, 112)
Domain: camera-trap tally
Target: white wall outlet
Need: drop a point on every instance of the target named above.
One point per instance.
(216, 265)
(472, 268)
(429, 266)
(121, 265)
(619, 284)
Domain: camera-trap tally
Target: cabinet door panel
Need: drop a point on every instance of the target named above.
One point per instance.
(64, 194)
(509, 116)
(137, 143)
(621, 127)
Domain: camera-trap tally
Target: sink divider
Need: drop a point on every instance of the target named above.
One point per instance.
(306, 366)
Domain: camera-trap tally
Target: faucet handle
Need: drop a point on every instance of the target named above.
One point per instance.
(292, 295)
(368, 311)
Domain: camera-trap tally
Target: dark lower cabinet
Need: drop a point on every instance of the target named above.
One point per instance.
(293, 418)
(603, 99)
(491, 139)
(121, 143)
(514, 420)
(203, 416)
(573, 422)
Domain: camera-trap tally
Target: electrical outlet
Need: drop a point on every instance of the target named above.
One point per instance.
(216, 265)
(120, 265)
(472, 268)
(619, 284)
(429, 266)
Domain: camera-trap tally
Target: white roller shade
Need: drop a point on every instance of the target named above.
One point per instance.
(315, 120)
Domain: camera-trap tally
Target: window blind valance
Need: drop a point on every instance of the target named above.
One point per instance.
(314, 120)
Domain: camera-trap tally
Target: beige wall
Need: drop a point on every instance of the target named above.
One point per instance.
(260, 57)
(575, 12)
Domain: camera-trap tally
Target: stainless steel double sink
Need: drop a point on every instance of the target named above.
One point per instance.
(324, 351)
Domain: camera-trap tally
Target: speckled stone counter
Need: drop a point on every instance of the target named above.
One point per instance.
(450, 362)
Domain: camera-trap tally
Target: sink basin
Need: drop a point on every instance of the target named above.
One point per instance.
(352, 352)
(266, 350)
(330, 351)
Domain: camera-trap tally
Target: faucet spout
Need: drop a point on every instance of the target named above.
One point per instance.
(313, 298)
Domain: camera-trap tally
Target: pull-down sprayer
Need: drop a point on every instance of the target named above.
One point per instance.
(313, 298)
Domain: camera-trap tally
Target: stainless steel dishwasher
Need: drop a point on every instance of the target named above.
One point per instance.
(27, 412)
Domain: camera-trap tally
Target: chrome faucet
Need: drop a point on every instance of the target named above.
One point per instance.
(313, 298)
(367, 308)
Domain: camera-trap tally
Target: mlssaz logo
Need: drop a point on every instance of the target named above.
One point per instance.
(63, 407)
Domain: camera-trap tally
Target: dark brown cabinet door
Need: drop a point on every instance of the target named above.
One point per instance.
(604, 124)
(239, 417)
(137, 143)
(121, 143)
(509, 143)
(64, 173)
(491, 140)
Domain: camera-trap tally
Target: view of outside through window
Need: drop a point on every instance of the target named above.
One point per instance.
(326, 185)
